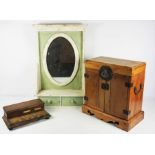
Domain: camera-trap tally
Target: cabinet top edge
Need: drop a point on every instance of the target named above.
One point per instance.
(120, 66)
(59, 27)
(23, 105)
(116, 61)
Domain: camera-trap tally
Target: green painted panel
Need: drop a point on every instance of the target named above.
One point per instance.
(76, 83)
(72, 101)
(51, 101)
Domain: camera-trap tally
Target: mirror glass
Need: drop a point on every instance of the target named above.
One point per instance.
(60, 59)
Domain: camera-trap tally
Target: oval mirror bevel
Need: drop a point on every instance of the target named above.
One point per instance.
(61, 59)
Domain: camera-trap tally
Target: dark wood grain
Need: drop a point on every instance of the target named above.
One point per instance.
(20, 114)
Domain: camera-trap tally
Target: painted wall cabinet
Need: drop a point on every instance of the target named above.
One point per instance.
(60, 64)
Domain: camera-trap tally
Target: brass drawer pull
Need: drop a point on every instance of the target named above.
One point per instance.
(74, 101)
(49, 102)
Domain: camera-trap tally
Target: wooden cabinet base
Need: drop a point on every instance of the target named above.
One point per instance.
(15, 122)
(120, 123)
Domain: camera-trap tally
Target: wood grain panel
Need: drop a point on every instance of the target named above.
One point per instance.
(119, 66)
(118, 122)
(118, 62)
(135, 100)
(92, 86)
(118, 96)
(101, 96)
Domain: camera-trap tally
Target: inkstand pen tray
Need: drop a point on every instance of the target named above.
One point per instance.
(20, 114)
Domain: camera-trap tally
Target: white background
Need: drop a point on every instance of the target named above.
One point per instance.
(133, 40)
(77, 144)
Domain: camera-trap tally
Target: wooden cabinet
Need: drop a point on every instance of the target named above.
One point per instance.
(114, 90)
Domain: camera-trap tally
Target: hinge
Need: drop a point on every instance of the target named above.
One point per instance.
(86, 75)
(105, 86)
(85, 98)
(126, 112)
(128, 84)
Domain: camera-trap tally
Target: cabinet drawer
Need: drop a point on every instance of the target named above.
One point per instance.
(51, 101)
(72, 101)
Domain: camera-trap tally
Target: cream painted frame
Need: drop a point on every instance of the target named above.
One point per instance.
(76, 52)
(58, 28)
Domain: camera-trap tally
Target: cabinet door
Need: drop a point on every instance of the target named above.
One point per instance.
(116, 102)
(104, 96)
(92, 86)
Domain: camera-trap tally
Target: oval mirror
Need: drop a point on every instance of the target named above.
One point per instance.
(61, 59)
